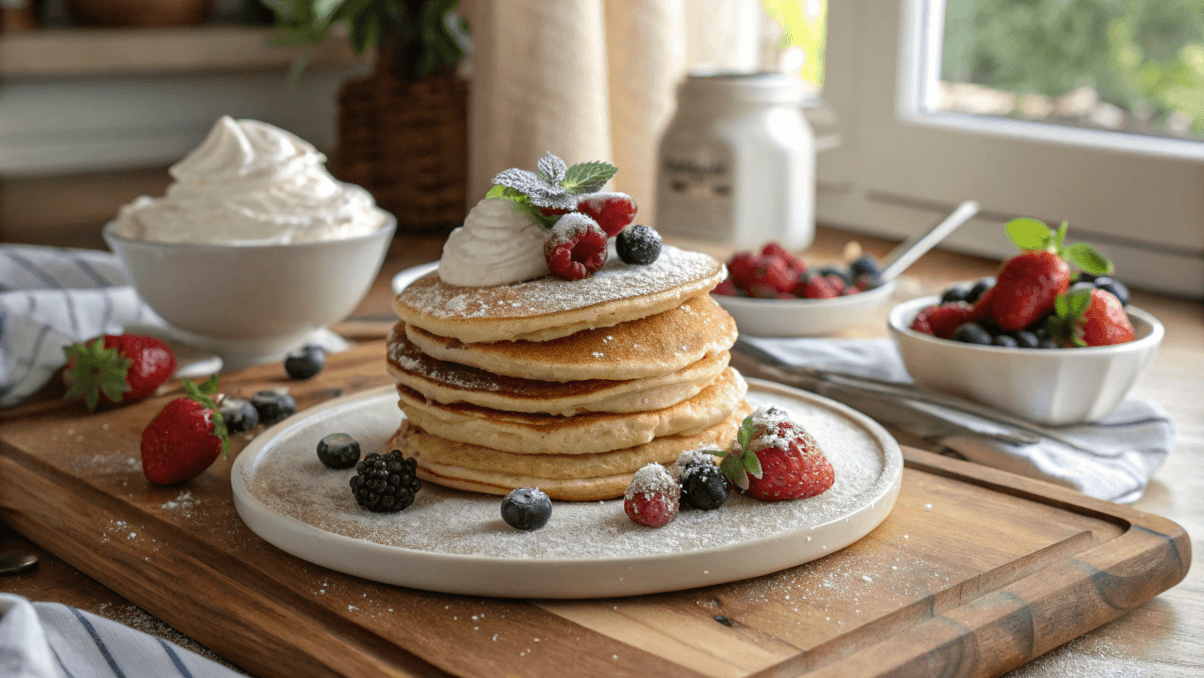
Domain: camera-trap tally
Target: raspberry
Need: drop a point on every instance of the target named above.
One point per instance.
(653, 497)
(742, 268)
(576, 247)
(941, 321)
(612, 211)
(837, 283)
(727, 289)
(776, 274)
(776, 251)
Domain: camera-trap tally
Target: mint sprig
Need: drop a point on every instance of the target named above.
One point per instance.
(553, 186)
(201, 394)
(740, 463)
(1032, 234)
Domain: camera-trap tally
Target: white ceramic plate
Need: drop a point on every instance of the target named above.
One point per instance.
(801, 317)
(403, 278)
(456, 542)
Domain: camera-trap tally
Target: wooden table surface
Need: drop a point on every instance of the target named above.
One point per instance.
(1161, 637)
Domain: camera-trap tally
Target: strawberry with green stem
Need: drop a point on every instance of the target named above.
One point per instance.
(185, 437)
(1028, 283)
(1090, 317)
(116, 368)
(775, 459)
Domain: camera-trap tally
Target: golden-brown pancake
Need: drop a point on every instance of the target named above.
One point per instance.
(549, 307)
(447, 382)
(524, 433)
(649, 347)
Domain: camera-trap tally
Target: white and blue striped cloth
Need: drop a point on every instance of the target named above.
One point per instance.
(52, 640)
(51, 298)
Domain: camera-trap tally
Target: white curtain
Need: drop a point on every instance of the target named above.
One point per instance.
(592, 79)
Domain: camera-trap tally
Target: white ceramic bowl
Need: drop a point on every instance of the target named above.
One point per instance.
(1046, 386)
(801, 317)
(252, 303)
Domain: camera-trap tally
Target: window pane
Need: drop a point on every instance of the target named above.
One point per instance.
(1126, 65)
(794, 39)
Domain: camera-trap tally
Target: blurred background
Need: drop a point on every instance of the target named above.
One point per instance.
(1085, 110)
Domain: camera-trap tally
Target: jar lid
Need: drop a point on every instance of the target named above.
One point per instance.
(758, 87)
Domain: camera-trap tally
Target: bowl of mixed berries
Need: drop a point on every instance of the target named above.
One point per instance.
(773, 293)
(1050, 338)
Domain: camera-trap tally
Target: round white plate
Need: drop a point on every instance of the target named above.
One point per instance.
(456, 542)
(402, 279)
(801, 317)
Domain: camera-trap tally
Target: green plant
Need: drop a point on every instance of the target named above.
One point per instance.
(421, 37)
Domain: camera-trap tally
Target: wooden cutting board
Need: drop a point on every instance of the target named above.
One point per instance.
(975, 572)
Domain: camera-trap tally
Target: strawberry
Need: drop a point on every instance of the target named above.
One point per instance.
(836, 282)
(116, 368)
(653, 497)
(742, 268)
(775, 459)
(1028, 284)
(1090, 317)
(814, 287)
(727, 289)
(776, 251)
(941, 321)
(612, 211)
(185, 437)
(774, 273)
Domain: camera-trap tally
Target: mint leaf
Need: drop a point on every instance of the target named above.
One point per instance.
(1061, 236)
(587, 177)
(1079, 301)
(1088, 259)
(499, 192)
(538, 191)
(744, 435)
(551, 168)
(1028, 234)
(752, 464)
(733, 469)
(1061, 306)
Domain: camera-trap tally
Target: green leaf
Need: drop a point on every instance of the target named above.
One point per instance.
(1028, 234)
(733, 470)
(221, 431)
(499, 192)
(1088, 259)
(1079, 301)
(587, 177)
(201, 393)
(744, 435)
(1061, 306)
(1061, 236)
(323, 10)
(752, 464)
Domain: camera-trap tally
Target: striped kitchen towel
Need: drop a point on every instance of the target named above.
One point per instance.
(51, 298)
(52, 640)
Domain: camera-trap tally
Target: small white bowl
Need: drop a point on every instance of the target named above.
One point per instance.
(1046, 386)
(252, 303)
(801, 317)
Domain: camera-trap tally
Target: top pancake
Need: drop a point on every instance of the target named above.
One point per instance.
(549, 307)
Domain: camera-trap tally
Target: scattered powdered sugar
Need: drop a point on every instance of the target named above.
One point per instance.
(692, 458)
(290, 480)
(651, 479)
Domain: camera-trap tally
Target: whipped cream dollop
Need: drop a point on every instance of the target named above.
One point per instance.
(497, 245)
(252, 183)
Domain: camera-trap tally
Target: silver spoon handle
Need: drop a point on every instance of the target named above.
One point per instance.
(908, 252)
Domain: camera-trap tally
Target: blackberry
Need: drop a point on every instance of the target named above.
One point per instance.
(273, 407)
(526, 508)
(1115, 287)
(1005, 341)
(638, 245)
(703, 487)
(866, 265)
(239, 414)
(338, 450)
(971, 333)
(980, 288)
(305, 362)
(954, 294)
(385, 484)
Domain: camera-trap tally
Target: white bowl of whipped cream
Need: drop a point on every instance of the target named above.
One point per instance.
(255, 246)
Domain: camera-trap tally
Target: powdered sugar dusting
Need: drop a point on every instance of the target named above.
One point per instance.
(651, 479)
(292, 482)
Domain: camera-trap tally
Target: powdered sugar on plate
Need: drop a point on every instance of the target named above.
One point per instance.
(286, 477)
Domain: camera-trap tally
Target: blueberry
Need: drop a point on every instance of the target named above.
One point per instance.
(1115, 287)
(339, 450)
(239, 414)
(703, 487)
(1026, 339)
(866, 265)
(305, 362)
(1046, 342)
(980, 288)
(954, 294)
(638, 245)
(971, 333)
(1005, 341)
(273, 406)
(526, 508)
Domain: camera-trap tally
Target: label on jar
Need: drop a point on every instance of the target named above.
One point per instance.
(695, 192)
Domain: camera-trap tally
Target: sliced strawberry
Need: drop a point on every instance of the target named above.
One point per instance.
(612, 211)
(185, 437)
(116, 368)
(576, 247)
(653, 497)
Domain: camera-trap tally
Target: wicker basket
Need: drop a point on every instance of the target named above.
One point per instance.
(407, 143)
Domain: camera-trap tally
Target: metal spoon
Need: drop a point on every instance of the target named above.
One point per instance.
(909, 251)
(17, 563)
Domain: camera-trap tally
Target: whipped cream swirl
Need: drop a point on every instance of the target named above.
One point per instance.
(252, 183)
(497, 245)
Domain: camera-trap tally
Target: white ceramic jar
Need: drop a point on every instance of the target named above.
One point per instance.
(737, 162)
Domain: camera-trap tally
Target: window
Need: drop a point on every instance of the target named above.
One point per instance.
(907, 158)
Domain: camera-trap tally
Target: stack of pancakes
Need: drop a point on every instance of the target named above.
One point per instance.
(568, 386)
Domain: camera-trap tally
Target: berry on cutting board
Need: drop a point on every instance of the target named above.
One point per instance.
(185, 437)
(338, 450)
(639, 245)
(576, 247)
(653, 497)
(385, 484)
(273, 406)
(774, 459)
(240, 415)
(526, 508)
(305, 362)
(116, 368)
